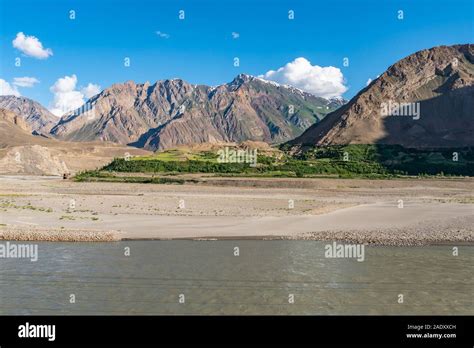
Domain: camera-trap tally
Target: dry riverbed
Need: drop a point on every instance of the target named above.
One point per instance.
(387, 212)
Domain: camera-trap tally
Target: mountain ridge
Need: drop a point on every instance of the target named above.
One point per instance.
(36, 115)
(174, 112)
(440, 79)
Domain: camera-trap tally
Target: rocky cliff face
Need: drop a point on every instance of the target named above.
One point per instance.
(23, 153)
(437, 83)
(35, 115)
(174, 112)
(10, 119)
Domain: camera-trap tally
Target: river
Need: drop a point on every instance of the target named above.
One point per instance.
(206, 277)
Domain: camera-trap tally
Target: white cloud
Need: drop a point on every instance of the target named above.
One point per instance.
(369, 81)
(67, 98)
(91, 90)
(326, 82)
(235, 35)
(31, 46)
(7, 89)
(25, 81)
(163, 35)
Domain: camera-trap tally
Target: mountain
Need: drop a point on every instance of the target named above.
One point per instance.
(38, 117)
(174, 112)
(11, 121)
(439, 81)
(23, 153)
(13, 129)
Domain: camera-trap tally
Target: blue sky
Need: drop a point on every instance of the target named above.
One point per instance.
(200, 49)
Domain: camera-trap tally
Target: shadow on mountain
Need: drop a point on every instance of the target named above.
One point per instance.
(151, 138)
(446, 121)
(144, 139)
(441, 141)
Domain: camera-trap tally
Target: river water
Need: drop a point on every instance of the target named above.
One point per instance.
(206, 277)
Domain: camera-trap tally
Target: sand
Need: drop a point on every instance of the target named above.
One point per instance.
(359, 211)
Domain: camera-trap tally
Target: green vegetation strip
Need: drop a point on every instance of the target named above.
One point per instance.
(348, 161)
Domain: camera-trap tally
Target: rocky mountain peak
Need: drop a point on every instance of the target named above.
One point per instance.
(173, 112)
(239, 80)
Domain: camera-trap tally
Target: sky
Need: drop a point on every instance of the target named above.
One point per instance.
(328, 48)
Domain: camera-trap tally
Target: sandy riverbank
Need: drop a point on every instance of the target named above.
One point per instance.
(362, 211)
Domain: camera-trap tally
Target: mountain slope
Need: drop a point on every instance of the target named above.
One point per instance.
(38, 117)
(440, 79)
(23, 153)
(14, 130)
(174, 112)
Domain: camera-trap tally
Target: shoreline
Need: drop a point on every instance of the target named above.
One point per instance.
(369, 238)
(15, 233)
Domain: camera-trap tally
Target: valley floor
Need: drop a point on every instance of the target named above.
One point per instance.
(384, 212)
